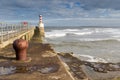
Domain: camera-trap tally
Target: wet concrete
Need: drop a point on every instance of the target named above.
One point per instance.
(44, 69)
(7, 70)
(45, 64)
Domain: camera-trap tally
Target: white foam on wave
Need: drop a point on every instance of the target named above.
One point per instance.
(64, 32)
(60, 33)
(118, 39)
(87, 34)
(92, 58)
(83, 33)
(96, 39)
(49, 35)
(71, 30)
(105, 30)
(55, 33)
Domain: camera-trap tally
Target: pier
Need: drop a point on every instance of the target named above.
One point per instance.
(10, 32)
(44, 63)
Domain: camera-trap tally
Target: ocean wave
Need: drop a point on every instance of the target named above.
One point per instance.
(100, 39)
(71, 30)
(65, 32)
(86, 34)
(55, 35)
(83, 33)
(93, 59)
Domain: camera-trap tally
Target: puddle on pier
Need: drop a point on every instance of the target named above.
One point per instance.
(6, 70)
(43, 69)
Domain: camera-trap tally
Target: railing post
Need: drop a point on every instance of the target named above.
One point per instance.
(12, 31)
(20, 28)
(27, 26)
(1, 33)
(16, 29)
(7, 29)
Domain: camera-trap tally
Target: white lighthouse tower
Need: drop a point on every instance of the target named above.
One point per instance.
(41, 26)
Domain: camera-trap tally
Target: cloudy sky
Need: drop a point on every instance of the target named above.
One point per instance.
(62, 12)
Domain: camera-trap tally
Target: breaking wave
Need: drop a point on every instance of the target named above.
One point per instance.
(92, 58)
(86, 34)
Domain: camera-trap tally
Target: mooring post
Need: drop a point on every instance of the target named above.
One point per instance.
(20, 46)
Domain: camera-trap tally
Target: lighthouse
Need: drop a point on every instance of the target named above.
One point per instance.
(41, 26)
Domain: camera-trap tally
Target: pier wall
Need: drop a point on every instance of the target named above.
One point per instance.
(25, 35)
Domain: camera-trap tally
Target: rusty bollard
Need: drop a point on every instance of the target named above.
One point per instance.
(20, 46)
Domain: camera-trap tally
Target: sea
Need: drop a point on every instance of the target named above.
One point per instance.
(93, 44)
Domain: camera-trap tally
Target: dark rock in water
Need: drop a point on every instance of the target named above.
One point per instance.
(114, 66)
(100, 70)
(75, 65)
(103, 67)
(96, 66)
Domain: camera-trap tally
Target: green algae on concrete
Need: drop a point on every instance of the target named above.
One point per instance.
(37, 37)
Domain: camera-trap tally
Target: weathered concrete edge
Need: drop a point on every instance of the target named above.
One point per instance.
(5, 43)
(65, 67)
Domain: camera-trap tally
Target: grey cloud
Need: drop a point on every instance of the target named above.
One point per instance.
(93, 4)
(58, 8)
(86, 4)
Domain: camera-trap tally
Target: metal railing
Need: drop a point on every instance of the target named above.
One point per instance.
(8, 31)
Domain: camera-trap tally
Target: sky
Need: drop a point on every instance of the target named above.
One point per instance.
(62, 12)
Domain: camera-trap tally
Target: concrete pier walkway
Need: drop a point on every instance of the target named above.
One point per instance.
(44, 64)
